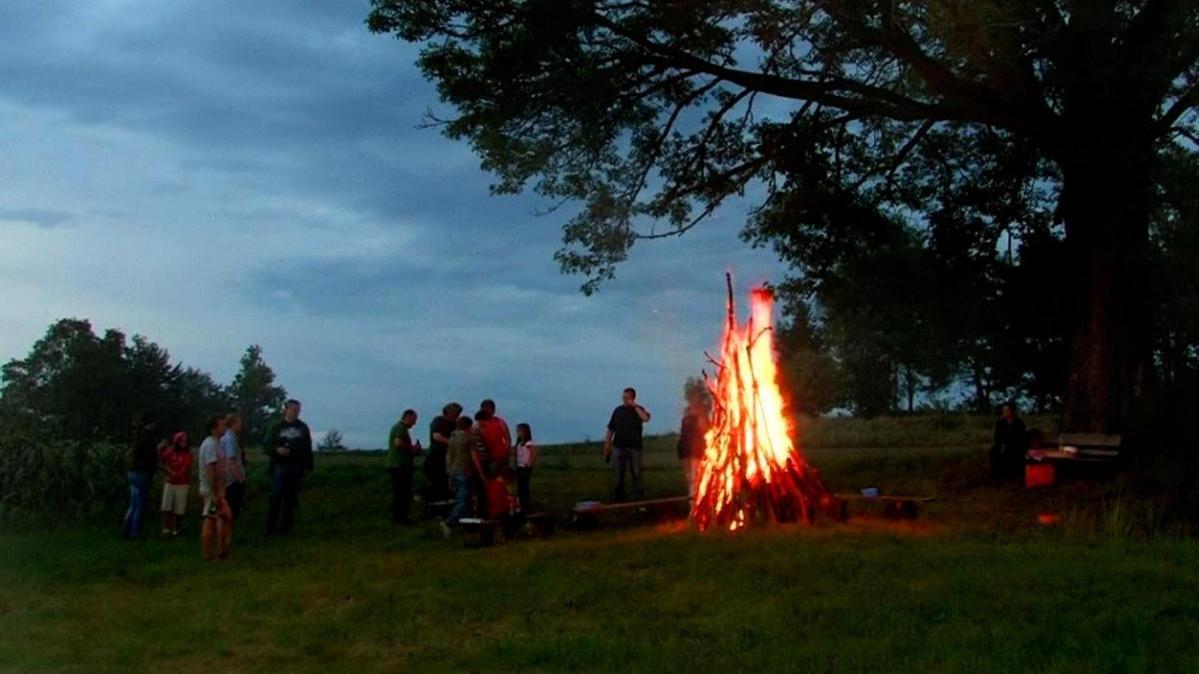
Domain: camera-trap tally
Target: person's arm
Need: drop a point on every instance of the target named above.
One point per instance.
(533, 454)
(270, 441)
(608, 443)
(642, 412)
(435, 436)
(306, 449)
(216, 479)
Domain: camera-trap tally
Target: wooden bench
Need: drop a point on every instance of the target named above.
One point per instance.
(1090, 446)
(586, 515)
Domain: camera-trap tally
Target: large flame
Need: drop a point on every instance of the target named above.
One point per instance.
(752, 467)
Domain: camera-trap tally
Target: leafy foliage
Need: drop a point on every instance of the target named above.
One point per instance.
(77, 386)
(255, 395)
(958, 186)
(331, 442)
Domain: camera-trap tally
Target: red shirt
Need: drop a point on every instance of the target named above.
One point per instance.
(494, 434)
(178, 466)
(500, 501)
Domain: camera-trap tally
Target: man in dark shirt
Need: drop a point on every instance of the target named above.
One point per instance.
(440, 430)
(144, 463)
(289, 445)
(1010, 444)
(623, 440)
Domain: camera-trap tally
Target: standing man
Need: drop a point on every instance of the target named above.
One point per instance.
(289, 444)
(215, 512)
(235, 467)
(624, 438)
(401, 452)
(146, 441)
(436, 476)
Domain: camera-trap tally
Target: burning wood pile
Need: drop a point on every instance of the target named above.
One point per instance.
(752, 469)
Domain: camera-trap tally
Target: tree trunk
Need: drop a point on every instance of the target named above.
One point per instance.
(1105, 204)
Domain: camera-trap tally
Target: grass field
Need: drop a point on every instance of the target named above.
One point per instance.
(972, 586)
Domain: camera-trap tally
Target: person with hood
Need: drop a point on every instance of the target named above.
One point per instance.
(147, 439)
(176, 460)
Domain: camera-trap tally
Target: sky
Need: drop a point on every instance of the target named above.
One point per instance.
(215, 174)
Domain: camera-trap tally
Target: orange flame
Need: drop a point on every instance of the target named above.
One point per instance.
(751, 468)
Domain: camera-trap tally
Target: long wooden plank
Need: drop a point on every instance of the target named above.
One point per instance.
(625, 505)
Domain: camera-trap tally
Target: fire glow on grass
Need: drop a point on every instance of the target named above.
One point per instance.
(752, 469)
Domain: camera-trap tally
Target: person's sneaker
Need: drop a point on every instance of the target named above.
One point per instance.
(446, 531)
(167, 532)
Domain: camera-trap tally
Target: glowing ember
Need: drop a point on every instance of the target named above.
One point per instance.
(752, 469)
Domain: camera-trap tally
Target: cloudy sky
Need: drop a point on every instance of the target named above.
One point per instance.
(216, 174)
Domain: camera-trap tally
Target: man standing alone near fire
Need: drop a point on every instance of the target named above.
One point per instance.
(623, 440)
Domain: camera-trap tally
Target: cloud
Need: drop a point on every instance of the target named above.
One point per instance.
(242, 173)
(38, 217)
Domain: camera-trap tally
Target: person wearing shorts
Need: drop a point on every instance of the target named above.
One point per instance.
(176, 461)
(214, 541)
(235, 467)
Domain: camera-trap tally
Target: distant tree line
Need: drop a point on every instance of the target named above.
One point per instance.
(77, 386)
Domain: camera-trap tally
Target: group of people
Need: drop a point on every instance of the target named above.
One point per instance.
(473, 464)
(220, 465)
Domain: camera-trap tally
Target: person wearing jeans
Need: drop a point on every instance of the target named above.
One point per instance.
(289, 444)
(461, 462)
(146, 442)
(623, 439)
(139, 494)
(285, 496)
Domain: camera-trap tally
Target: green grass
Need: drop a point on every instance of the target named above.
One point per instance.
(973, 586)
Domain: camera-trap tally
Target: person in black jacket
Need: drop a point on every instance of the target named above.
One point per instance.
(289, 445)
(1010, 444)
(144, 463)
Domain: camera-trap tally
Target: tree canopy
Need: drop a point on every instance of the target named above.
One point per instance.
(931, 136)
(79, 386)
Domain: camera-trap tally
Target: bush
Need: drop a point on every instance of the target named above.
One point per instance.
(41, 477)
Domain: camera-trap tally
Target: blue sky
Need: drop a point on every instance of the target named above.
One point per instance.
(216, 174)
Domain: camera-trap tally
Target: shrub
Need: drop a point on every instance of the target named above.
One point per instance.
(43, 477)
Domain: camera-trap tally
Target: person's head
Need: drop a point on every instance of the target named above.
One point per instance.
(291, 409)
(629, 396)
(451, 411)
(1009, 410)
(216, 425)
(463, 423)
(482, 415)
(524, 433)
(408, 418)
(233, 422)
(488, 405)
(179, 442)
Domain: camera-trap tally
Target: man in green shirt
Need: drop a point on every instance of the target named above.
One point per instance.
(401, 452)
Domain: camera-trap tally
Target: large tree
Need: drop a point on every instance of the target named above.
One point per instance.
(255, 394)
(77, 385)
(652, 113)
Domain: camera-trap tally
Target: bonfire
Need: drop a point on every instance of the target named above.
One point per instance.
(752, 469)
